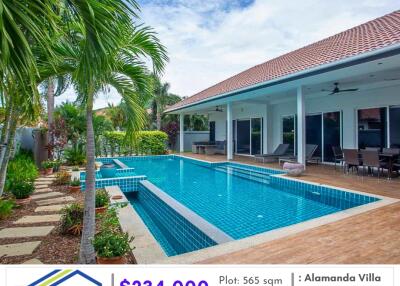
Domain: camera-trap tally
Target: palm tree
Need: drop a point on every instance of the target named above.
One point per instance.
(24, 25)
(95, 62)
(116, 115)
(160, 97)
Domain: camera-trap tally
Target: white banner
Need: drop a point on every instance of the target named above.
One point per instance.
(202, 275)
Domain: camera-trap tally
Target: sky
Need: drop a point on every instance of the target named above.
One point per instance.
(209, 41)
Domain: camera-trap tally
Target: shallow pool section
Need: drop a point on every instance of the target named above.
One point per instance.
(240, 200)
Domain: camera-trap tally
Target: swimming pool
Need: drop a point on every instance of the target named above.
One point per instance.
(240, 200)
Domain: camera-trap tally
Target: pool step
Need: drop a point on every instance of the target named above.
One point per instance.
(245, 174)
(245, 171)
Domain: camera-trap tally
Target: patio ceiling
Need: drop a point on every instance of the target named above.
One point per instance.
(374, 74)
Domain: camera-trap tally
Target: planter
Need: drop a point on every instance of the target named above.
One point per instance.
(293, 169)
(111, 260)
(101, 210)
(74, 189)
(22, 202)
(48, 171)
(108, 170)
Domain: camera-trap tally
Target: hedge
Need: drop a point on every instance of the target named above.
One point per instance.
(147, 142)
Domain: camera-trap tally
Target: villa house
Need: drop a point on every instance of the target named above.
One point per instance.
(341, 91)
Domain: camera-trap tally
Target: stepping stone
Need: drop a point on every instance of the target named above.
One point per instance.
(41, 186)
(49, 178)
(38, 218)
(46, 195)
(33, 261)
(17, 249)
(45, 190)
(14, 232)
(55, 201)
(53, 208)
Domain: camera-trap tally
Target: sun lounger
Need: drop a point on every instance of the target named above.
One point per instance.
(279, 151)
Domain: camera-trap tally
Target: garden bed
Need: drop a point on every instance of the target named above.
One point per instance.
(54, 248)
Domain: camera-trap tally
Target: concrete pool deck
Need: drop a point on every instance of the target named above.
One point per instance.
(370, 237)
(247, 250)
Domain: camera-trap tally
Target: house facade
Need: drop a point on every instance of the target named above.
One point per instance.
(341, 91)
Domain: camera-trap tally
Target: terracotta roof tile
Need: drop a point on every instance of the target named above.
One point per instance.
(373, 35)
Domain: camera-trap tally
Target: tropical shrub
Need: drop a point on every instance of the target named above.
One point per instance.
(72, 219)
(111, 241)
(75, 155)
(22, 189)
(6, 207)
(112, 244)
(171, 128)
(102, 198)
(21, 168)
(48, 164)
(146, 142)
(62, 178)
(75, 182)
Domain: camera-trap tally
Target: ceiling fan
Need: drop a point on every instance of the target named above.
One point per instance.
(218, 109)
(336, 89)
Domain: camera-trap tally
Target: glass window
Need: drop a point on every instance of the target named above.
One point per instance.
(372, 128)
(394, 117)
(331, 134)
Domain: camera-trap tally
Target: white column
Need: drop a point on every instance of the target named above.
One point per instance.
(301, 127)
(266, 129)
(181, 132)
(229, 133)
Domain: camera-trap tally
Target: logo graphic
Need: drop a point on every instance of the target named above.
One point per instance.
(62, 277)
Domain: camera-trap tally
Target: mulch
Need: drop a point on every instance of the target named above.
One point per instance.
(55, 248)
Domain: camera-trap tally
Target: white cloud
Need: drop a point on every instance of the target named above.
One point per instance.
(208, 41)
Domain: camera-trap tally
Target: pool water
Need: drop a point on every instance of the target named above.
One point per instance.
(237, 202)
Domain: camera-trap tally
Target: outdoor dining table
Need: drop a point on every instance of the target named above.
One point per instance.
(202, 147)
(391, 158)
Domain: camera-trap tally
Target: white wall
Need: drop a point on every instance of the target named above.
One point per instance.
(348, 103)
(240, 111)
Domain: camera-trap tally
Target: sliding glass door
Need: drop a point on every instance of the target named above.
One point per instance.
(243, 137)
(372, 128)
(289, 133)
(394, 123)
(256, 133)
(249, 136)
(322, 129)
(314, 132)
(332, 134)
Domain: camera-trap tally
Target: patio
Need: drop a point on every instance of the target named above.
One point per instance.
(371, 237)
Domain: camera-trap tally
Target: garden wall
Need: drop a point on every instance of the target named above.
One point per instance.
(190, 137)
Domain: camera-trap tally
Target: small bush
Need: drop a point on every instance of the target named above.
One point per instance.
(21, 189)
(62, 178)
(6, 207)
(111, 241)
(48, 164)
(21, 168)
(102, 198)
(112, 244)
(72, 219)
(75, 155)
(75, 182)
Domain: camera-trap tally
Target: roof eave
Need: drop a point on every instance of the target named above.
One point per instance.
(367, 56)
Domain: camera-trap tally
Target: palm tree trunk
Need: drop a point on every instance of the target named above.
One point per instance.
(50, 112)
(87, 253)
(8, 151)
(5, 131)
(158, 117)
